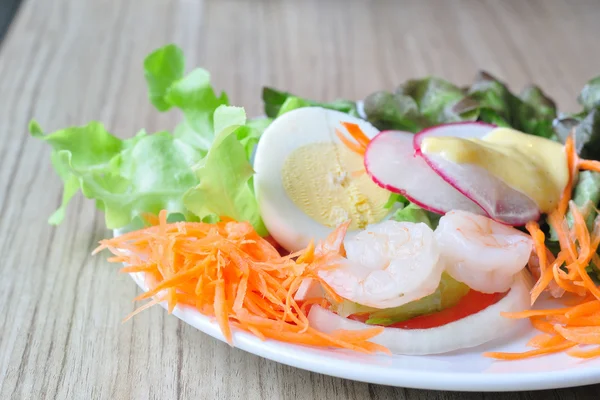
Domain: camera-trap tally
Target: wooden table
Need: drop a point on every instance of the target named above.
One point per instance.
(66, 62)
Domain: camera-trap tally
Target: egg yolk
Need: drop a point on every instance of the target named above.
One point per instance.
(328, 183)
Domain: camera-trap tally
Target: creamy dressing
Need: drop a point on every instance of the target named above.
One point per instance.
(532, 165)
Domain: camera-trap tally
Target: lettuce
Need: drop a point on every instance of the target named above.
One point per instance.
(126, 178)
(419, 103)
(225, 182)
(277, 103)
(199, 171)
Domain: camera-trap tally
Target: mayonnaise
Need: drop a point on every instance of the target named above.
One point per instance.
(532, 165)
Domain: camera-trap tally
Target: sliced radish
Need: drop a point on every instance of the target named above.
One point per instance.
(494, 196)
(470, 331)
(391, 162)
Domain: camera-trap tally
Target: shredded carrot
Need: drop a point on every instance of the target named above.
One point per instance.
(578, 323)
(358, 135)
(577, 352)
(545, 340)
(355, 147)
(359, 146)
(228, 272)
(572, 161)
(530, 353)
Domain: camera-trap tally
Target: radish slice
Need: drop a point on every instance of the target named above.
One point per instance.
(391, 162)
(499, 201)
(470, 331)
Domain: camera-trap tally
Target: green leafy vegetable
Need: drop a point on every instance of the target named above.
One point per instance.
(195, 96)
(587, 135)
(435, 98)
(594, 272)
(224, 188)
(277, 102)
(396, 198)
(394, 111)
(535, 113)
(182, 172)
(590, 94)
(414, 213)
(126, 178)
(420, 103)
(586, 196)
(162, 68)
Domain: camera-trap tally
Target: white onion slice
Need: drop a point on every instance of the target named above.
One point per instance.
(470, 331)
(309, 288)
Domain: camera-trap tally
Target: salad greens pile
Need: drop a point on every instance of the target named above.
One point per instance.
(202, 169)
(418, 104)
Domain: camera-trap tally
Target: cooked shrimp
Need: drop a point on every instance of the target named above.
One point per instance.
(387, 265)
(480, 252)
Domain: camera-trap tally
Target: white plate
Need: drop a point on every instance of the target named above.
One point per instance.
(465, 370)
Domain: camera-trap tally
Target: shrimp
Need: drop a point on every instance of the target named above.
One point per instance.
(480, 252)
(387, 265)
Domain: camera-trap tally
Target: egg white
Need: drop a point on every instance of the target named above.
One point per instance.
(290, 226)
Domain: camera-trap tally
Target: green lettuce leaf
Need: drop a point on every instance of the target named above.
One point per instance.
(193, 94)
(195, 97)
(162, 68)
(534, 112)
(394, 111)
(277, 102)
(420, 103)
(586, 197)
(396, 198)
(126, 178)
(224, 183)
(586, 126)
(587, 135)
(435, 98)
(414, 213)
(149, 173)
(590, 94)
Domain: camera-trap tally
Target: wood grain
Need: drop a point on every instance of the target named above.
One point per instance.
(66, 62)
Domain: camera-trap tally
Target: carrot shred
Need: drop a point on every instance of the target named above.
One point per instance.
(571, 165)
(357, 133)
(578, 322)
(545, 340)
(577, 352)
(359, 146)
(580, 334)
(355, 147)
(227, 271)
(530, 353)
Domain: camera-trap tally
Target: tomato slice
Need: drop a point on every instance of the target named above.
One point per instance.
(469, 304)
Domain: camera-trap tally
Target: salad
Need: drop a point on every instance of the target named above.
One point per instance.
(417, 221)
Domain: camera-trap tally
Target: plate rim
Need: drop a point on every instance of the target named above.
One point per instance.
(297, 356)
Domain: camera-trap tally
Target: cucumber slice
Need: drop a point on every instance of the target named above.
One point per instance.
(447, 295)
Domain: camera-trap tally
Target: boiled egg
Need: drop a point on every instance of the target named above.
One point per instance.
(307, 181)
